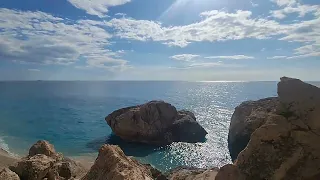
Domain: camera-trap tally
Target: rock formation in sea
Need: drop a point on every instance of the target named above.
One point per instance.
(155, 122)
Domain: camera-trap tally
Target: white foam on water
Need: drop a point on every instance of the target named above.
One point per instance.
(4, 145)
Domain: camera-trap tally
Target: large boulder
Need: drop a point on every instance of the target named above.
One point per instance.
(189, 173)
(247, 117)
(286, 146)
(42, 147)
(36, 167)
(7, 174)
(155, 122)
(68, 168)
(43, 162)
(112, 163)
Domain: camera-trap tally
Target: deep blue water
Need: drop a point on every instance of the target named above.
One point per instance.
(71, 116)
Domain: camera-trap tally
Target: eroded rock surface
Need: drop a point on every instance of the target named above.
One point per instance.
(7, 174)
(155, 122)
(112, 163)
(286, 146)
(229, 172)
(42, 147)
(189, 173)
(247, 117)
(44, 163)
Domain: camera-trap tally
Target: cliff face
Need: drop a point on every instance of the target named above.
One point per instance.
(247, 117)
(284, 140)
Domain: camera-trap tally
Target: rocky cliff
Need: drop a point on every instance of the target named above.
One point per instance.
(284, 134)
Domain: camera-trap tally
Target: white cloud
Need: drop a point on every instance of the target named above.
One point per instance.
(37, 37)
(254, 4)
(215, 26)
(34, 70)
(312, 54)
(302, 10)
(293, 6)
(184, 57)
(206, 65)
(223, 26)
(235, 57)
(121, 51)
(97, 7)
(120, 14)
(277, 57)
(285, 2)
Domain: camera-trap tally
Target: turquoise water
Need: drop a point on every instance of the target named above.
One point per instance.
(71, 116)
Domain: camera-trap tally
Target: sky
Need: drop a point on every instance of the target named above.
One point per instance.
(192, 40)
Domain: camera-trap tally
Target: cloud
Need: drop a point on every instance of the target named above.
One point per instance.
(206, 65)
(40, 38)
(285, 2)
(184, 57)
(254, 4)
(215, 26)
(263, 49)
(235, 57)
(121, 51)
(277, 57)
(302, 10)
(34, 70)
(219, 25)
(293, 6)
(120, 14)
(97, 7)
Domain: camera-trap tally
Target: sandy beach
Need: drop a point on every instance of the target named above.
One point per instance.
(6, 159)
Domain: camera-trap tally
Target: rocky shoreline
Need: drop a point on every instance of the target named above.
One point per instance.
(274, 138)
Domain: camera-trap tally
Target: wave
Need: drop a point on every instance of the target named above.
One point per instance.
(4, 145)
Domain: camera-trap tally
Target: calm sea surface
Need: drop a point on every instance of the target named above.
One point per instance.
(71, 116)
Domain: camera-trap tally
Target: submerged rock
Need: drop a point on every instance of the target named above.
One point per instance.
(155, 122)
(7, 174)
(247, 117)
(286, 146)
(112, 163)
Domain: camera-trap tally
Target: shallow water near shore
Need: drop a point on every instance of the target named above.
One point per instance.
(71, 116)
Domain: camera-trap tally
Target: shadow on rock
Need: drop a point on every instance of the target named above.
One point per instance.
(130, 149)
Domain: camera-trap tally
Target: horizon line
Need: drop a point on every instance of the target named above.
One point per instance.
(204, 81)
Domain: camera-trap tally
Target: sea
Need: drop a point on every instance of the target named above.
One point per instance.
(70, 115)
